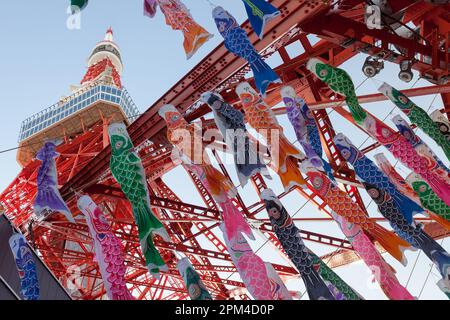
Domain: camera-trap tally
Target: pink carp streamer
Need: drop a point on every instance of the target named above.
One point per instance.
(231, 216)
(251, 268)
(108, 251)
(280, 290)
(382, 271)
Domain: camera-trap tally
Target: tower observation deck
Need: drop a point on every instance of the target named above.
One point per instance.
(100, 96)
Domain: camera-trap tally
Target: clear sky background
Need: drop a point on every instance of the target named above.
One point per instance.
(41, 58)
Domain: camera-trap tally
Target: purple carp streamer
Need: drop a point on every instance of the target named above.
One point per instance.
(26, 267)
(179, 18)
(250, 267)
(237, 42)
(417, 115)
(48, 198)
(260, 12)
(108, 250)
(231, 124)
(150, 8)
(305, 128)
(194, 285)
(382, 271)
(340, 82)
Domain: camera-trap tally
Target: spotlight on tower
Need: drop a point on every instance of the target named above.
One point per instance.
(406, 74)
(372, 66)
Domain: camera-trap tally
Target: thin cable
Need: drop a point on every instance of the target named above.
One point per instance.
(428, 275)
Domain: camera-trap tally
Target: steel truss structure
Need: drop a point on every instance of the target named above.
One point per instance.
(83, 165)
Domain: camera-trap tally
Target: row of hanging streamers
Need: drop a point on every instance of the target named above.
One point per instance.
(425, 191)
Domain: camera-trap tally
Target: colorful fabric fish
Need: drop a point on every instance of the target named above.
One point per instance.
(396, 179)
(150, 8)
(280, 290)
(126, 167)
(108, 250)
(337, 286)
(194, 285)
(413, 234)
(237, 42)
(230, 122)
(339, 81)
(250, 267)
(184, 138)
(341, 203)
(417, 115)
(284, 155)
(26, 267)
(428, 198)
(305, 128)
(382, 271)
(293, 245)
(260, 12)
(179, 18)
(370, 173)
(78, 5)
(404, 187)
(48, 199)
(389, 209)
(435, 165)
(442, 122)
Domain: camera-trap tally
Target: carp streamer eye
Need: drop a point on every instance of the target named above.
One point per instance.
(216, 104)
(274, 213)
(346, 154)
(118, 144)
(323, 73)
(385, 133)
(317, 182)
(374, 193)
(422, 188)
(402, 99)
(175, 117)
(222, 26)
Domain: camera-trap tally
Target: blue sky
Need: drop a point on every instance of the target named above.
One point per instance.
(41, 58)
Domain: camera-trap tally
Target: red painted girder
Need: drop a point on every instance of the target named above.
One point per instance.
(348, 32)
(158, 202)
(166, 193)
(375, 97)
(216, 70)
